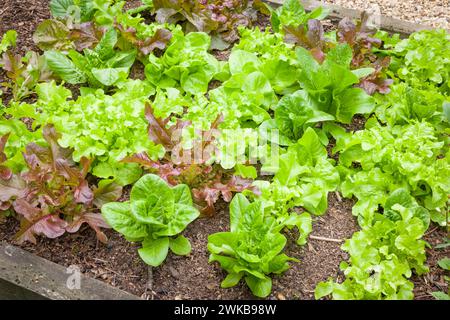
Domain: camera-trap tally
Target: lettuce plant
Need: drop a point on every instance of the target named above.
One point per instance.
(52, 196)
(303, 177)
(411, 156)
(72, 27)
(102, 66)
(422, 60)
(247, 95)
(330, 84)
(383, 254)
(276, 59)
(185, 64)
(251, 249)
(408, 103)
(361, 38)
(155, 215)
(296, 112)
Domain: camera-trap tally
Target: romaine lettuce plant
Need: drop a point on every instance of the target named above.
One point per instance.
(155, 215)
(330, 84)
(251, 249)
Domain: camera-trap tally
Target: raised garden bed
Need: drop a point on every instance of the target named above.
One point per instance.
(117, 264)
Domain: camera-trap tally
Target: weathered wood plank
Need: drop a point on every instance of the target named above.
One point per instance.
(10, 291)
(338, 12)
(24, 275)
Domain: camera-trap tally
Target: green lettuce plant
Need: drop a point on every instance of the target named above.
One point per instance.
(383, 254)
(277, 59)
(406, 103)
(251, 250)
(422, 60)
(304, 176)
(330, 85)
(412, 156)
(155, 215)
(185, 64)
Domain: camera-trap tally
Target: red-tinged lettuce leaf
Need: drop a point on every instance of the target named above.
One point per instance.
(166, 171)
(24, 72)
(5, 172)
(12, 64)
(83, 193)
(220, 17)
(207, 195)
(86, 35)
(52, 34)
(158, 131)
(106, 191)
(50, 226)
(360, 38)
(3, 141)
(377, 81)
(62, 35)
(311, 37)
(94, 220)
(53, 196)
(145, 46)
(11, 186)
(11, 189)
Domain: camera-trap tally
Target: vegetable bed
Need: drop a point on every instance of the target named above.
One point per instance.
(258, 151)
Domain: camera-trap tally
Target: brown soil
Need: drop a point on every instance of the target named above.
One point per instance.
(118, 263)
(192, 277)
(23, 16)
(318, 261)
